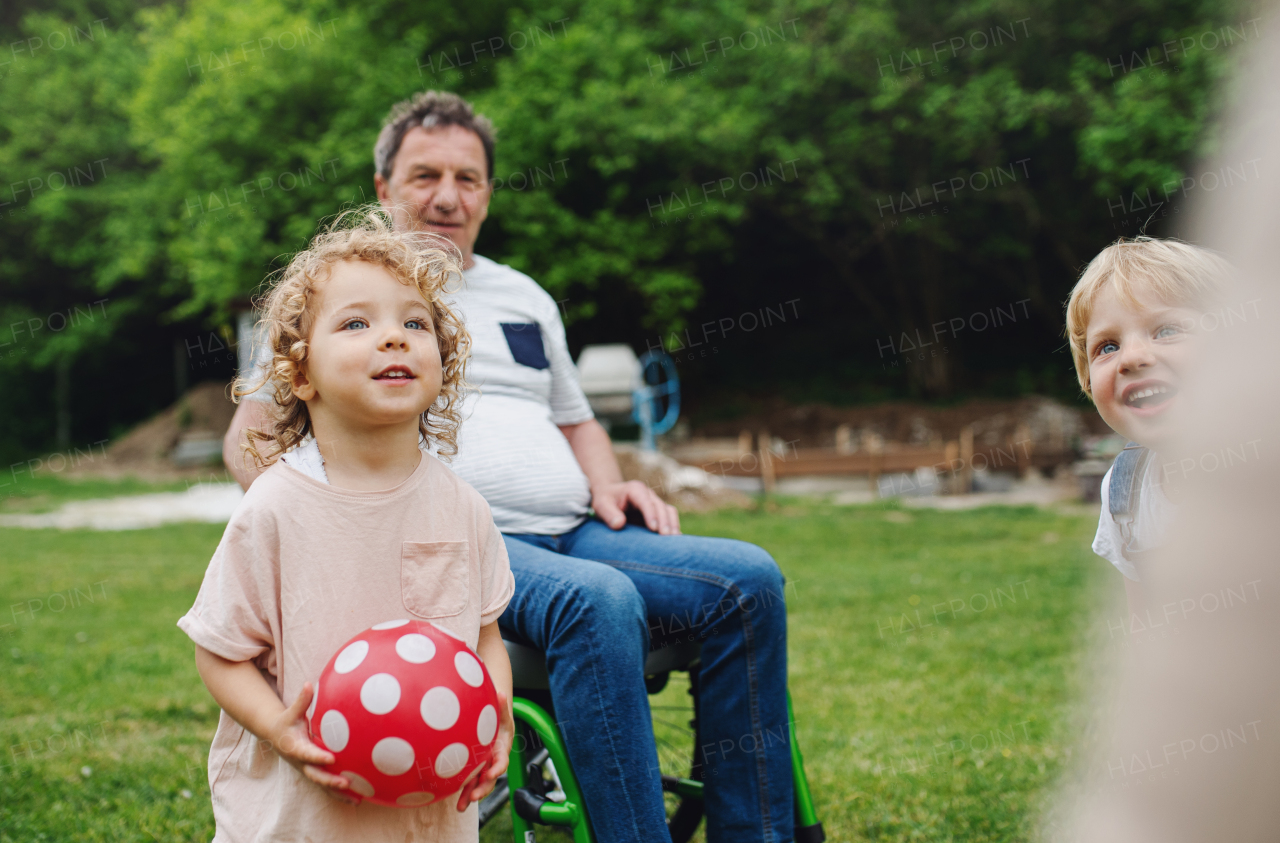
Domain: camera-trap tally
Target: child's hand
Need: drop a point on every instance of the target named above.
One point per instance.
(499, 754)
(291, 739)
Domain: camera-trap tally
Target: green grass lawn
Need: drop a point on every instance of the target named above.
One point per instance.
(935, 663)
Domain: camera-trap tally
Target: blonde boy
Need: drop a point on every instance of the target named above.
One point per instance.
(1132, 321)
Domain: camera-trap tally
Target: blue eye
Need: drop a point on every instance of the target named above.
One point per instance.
(1168, 331)
(355, 323)
(1108, 347)
(416, 325)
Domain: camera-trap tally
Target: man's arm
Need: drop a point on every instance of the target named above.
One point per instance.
(610, 495)
(248, 414)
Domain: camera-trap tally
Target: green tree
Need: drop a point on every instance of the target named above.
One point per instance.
(887, 167)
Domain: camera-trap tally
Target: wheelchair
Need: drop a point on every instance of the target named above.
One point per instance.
(540, 785)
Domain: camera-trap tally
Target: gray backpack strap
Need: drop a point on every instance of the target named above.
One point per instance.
(1125, 491)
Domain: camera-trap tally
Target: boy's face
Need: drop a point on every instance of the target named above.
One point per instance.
(1138, 359)
(373, 358)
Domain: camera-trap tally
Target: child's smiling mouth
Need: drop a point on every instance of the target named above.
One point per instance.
(395, 374)
(1148, 395)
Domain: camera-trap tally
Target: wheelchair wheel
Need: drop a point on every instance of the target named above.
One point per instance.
(675, 722)
(675, 727)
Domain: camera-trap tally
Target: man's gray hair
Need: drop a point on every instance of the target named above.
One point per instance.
(430, 110)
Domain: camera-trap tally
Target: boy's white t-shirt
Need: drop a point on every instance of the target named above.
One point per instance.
(1155, 515)
(303, 567)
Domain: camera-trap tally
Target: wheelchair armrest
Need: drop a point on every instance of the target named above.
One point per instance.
(529, 666)
(672, 657)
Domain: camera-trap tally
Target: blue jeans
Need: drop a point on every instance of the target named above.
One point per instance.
(592, 599)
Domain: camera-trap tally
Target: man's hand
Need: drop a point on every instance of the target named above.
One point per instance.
(499, 755)
(289, 737)
(610, 494)
(611, 500)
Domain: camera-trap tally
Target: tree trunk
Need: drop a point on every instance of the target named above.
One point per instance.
(62, 403)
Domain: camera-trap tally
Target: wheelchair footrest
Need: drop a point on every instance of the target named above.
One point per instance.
(536, 808)
(492, 804)
(682, 787)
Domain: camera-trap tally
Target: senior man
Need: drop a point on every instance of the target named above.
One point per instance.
(591, 590)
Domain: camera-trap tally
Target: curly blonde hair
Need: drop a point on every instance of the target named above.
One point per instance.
(1174, 272)
(425, 261)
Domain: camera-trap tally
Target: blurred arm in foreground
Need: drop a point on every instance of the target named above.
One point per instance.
(1189, 746)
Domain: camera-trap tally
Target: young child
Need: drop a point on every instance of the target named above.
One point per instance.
(1133, 323)
(351, 525)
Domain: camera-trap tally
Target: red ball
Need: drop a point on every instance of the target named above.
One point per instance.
(408, 711)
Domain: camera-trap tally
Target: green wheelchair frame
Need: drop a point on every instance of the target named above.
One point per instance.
(538, 740)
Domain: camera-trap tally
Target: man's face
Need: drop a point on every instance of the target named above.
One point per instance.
(439, 183)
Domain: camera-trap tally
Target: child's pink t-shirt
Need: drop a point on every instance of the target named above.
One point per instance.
(302, 568)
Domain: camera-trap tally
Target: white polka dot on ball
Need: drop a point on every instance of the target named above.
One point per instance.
(415, 648)
(392, 756)
(413, 800)
(440, 708)
(451, 760)
(359, 783)
(380, 693)
(469, 669)
(391, 624)
(487, 725)
(351, 657)
(334, 730)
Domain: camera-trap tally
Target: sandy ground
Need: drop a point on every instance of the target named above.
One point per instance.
(211, 503)
(1033, 490)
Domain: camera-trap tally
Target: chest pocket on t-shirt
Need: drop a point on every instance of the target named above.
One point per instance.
(435, 578)
(525, 341)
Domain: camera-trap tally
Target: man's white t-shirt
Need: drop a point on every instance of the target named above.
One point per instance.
(523, 386)
(1150, 525)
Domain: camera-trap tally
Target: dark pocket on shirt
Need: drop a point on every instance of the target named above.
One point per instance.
(435, 578)
(525, 341)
